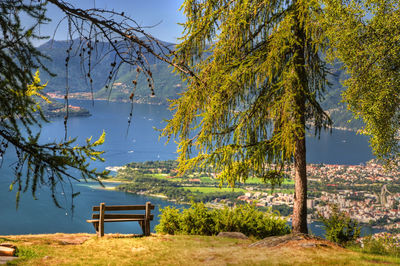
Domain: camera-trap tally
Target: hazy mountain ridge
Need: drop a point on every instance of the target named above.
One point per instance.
(167, 85)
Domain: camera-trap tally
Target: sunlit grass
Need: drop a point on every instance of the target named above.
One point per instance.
(161, 176)
(184, 250)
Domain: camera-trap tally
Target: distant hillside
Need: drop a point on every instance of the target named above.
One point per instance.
(167, 84)
(337, 110)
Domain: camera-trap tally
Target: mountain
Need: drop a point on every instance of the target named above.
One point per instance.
(332, 102)
(167, 85)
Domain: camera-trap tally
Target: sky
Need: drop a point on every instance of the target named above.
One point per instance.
(164, 14)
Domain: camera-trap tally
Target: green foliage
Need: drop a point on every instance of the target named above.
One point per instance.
(381, 245)
(173, 190)
(364, 35)
(198, 220)
(26, 253)
(169, 221)
(340, 228)
(258, 79)
(284, 210)
(251, 222)
(149, 167)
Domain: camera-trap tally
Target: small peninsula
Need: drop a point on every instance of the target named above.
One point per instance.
(57, 109)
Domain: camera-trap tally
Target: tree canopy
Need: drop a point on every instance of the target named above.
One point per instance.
(365, 37)
(258, 79)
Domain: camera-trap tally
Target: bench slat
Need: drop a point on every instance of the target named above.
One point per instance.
(115, 220)
(123, 207)
(122, 216)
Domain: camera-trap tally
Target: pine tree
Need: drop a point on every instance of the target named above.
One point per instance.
(258, 77)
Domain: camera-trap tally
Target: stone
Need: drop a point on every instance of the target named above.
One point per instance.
(237, 235)
(309, 245)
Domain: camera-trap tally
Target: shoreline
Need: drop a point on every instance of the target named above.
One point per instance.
(79, 97)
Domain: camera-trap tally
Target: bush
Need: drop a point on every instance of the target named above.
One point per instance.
(340, 228)
(169, 220)
(198, 220)
(381, 245)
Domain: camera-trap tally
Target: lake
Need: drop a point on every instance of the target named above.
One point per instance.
(139, 142)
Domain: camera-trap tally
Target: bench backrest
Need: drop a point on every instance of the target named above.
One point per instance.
(112, 208)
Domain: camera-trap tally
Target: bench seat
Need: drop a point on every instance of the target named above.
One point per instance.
(103, 215)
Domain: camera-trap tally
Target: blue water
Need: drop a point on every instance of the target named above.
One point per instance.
(138, 143)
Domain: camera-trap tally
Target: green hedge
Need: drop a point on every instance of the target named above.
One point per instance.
(199, 220)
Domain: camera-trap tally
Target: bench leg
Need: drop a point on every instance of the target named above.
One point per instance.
(147, 220)
(96, 226)
(147, 228)
(141, 223)
(101, 219)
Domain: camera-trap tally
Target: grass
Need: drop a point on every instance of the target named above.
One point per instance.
(214, 189)
(161, 176)
(181, 250)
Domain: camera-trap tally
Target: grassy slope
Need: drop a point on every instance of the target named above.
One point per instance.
(61, 249)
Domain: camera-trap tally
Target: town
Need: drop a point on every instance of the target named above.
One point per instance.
(359, 190)
(368, 192)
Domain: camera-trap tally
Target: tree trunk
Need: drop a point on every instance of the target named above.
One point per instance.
(299, 219)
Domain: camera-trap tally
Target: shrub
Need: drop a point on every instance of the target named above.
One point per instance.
(340, 228)
(251, 222)
(169, 221)
(381, 245)
(198, 220)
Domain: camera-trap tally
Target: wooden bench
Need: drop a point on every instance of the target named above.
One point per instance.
(102, 216)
